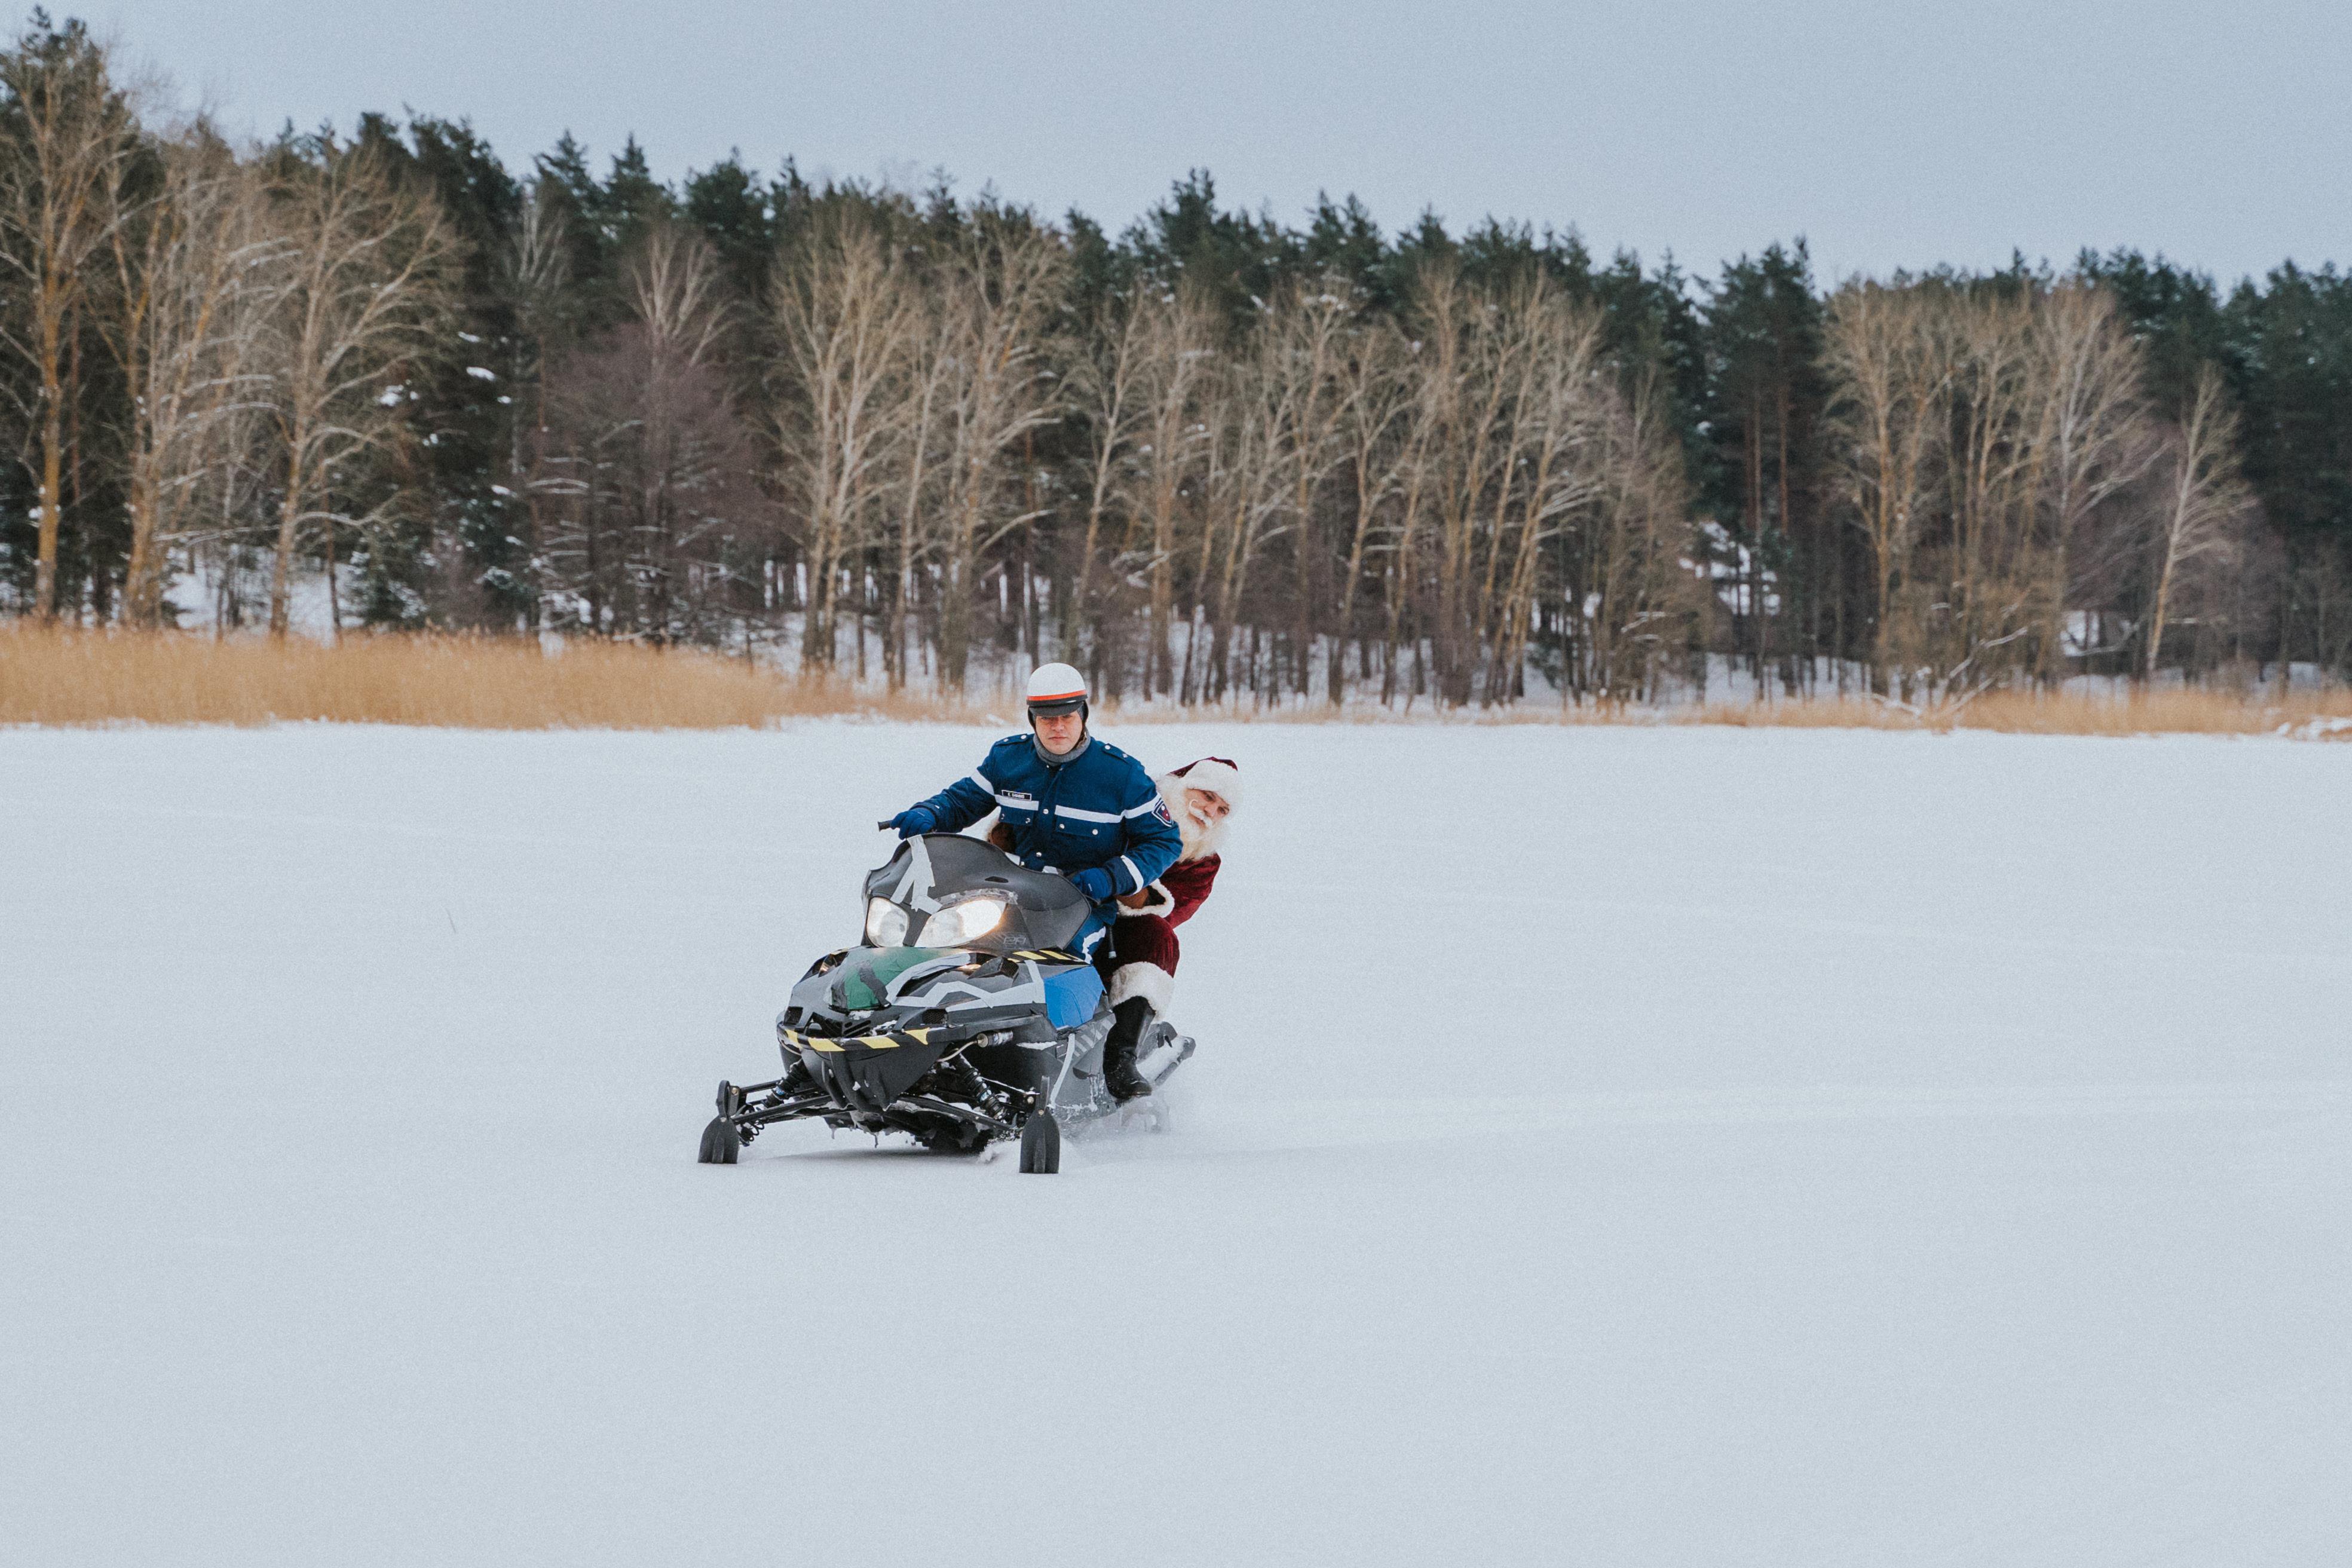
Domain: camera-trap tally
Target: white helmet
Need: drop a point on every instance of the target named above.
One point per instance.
(1056, 688)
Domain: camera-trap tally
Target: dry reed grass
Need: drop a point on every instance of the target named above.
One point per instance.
(82, 678)
(2308, 716)
(79, 677)
(2163, 712)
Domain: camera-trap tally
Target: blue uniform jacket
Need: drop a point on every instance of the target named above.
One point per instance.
(1100, 808)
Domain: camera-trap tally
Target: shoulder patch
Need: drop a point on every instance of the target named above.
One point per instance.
(1160, 810)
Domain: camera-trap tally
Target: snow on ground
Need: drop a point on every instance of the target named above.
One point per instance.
(1612, 1146)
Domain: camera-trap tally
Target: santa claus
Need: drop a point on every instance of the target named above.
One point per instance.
(1139, 962)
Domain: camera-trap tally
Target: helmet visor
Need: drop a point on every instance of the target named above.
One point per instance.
(1054, 707)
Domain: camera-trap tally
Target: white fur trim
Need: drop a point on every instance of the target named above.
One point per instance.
(1199, 841)
(1162, 902)
(1211, 773)
(1149, 981)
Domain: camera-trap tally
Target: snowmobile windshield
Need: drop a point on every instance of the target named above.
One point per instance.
(943, 889)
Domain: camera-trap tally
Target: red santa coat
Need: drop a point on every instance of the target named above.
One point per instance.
(1141, 958)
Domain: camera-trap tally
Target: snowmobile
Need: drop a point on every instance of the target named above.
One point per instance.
(962, 1018)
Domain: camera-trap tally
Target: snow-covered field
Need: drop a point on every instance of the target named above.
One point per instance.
(1608, 1146)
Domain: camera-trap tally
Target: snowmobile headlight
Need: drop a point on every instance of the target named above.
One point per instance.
(886, 923)
(963, 922)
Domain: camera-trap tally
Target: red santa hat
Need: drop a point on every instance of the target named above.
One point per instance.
(1220, 775)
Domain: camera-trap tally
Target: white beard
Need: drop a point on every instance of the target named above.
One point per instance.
(1202, 839)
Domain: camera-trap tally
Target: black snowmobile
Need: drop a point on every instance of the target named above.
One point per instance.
(962, 1018)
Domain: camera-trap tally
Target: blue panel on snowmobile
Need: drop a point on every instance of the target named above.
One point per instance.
(1071, 996)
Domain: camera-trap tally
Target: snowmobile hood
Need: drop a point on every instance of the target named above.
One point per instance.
(953, 991)
(927, 873)
(871, 978)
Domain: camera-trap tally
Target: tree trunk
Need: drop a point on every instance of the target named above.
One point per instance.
(44, 578)
(139, 607)
(334, 594)
(288, 520)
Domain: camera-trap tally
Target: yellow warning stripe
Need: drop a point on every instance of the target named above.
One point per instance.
(871, 1042)
(1050, 956)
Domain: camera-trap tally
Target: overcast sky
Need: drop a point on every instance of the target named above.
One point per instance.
(1891, 133)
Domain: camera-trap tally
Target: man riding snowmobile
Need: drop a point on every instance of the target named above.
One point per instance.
(1072, 804)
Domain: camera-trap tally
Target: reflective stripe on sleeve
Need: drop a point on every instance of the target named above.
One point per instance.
(1146, 809)
(1132, 872)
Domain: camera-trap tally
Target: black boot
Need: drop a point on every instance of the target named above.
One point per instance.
(1119, 1050)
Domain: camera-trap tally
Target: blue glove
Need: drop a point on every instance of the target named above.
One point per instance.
(1094, 882)
(913, 822)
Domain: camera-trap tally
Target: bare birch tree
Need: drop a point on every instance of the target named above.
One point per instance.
(846, 316)
(1104, 376)
(1180, 363)
(363, 295)
(1422, 447)
(65, 135)
(532, 274)
(999, 291)
(1246, 409)
(2204, 498)
(1986, 566)
(1628, 587)
(926, 391)
(1306, 338)
(1893, 385)
(1466, 380)
(1512, 403)
(195, 283)
(657, 509)
(2096, 432)
(1558, 410)
(1375, 394)
(674, 286)
(689, 462)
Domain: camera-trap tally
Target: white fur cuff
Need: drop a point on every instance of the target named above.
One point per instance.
(1162, 902)
(1149, 981)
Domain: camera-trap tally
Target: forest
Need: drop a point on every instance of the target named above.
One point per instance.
(377, 379)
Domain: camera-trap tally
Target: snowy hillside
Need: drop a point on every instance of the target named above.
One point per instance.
(1607, 1145)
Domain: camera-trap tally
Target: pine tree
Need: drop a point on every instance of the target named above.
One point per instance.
(1765, 398)
(1234, 258)
(1345, 241)
(727, 203)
